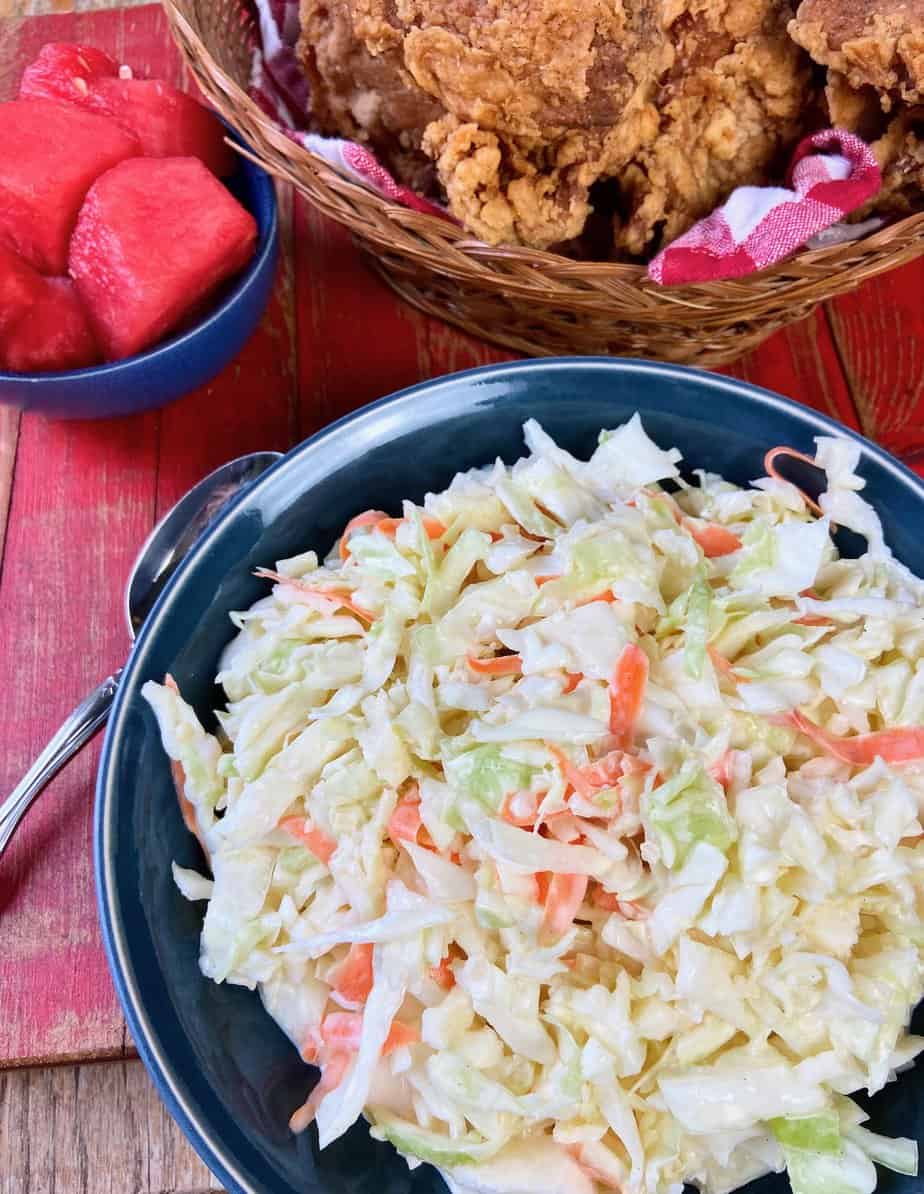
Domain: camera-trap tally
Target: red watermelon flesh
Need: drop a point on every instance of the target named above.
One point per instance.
(20, 288)
(167, 122)
(64, 71)
(155, 238)
(50, 154)
(54, 335)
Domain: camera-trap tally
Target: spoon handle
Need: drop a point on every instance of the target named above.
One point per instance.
(79, 728)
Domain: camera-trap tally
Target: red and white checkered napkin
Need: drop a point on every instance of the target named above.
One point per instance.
(832, 174)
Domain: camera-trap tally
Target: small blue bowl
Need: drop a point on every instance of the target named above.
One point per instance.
(186, 361)
(225, 1071)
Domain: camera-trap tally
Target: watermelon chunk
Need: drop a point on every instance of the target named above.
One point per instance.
(56, 333)
(64, 71)
(155, 238)
(50, 154)
(43, 324)
(167, 122)
(20, 288)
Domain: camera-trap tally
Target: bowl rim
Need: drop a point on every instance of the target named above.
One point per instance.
(160, 1067)
(267, 238)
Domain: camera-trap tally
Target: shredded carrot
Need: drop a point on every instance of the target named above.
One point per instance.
(353, 978)
(902, 745)
(433, 528)
(607, 595)
(722, 769)
(311, 1047)
(571, 773)
(772, 471)
(573, 679)
(343, 1032)
(627, 692)
(562, 900)
(606, 771)
(714, 539)
(317, 841)
(813, 620)
(404, 824)
(500, 665)
(443, 974)
(520, 809)
(544, 580)
(722, 665)
(333, 1068)
(339, 596)
(609, 901)
(369, 518)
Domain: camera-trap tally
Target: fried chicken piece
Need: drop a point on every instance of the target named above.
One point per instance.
(896, 139)
(729, 110)
(875, 43)
(523, 105)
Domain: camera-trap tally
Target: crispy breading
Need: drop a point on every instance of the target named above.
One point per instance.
(728, 111)
(875, 43)
(524, 106)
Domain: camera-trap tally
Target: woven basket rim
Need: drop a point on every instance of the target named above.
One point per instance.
(533, 274)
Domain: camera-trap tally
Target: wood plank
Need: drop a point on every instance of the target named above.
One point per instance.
(92, 1129)
(802, 362)
(73, 531)
(85, 496)
(357, 340)
(879, 332)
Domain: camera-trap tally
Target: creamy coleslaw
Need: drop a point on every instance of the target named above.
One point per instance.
(570, 823)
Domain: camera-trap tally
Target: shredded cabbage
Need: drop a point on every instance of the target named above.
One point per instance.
(572, 825)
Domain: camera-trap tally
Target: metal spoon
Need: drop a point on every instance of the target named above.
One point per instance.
(158, 559)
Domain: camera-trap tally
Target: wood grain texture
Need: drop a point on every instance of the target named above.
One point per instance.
(802, 362)
(879, 332)
(92, 1129)
(85, 497)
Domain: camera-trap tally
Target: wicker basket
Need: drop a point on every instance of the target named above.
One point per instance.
(535, 302)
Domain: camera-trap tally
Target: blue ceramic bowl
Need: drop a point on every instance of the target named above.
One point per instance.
(225, 1071)
(186, 361)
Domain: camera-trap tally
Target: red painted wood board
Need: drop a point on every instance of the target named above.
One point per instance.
(82, 497)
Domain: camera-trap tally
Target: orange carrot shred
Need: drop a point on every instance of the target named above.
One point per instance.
(573, 679)
(571, 773)
(772, 471)
(714, 539)
(905, 744)
(627, 693)
(339, 596)
(443, 974)
(343, 1031)
(369, 518)
(404, 824)
(500, 665)
(353, 978)
(333, 1068)
(563, 898)
(317, 841)
(722, 665)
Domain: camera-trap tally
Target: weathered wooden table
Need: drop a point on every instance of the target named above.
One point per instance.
(76, 500)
